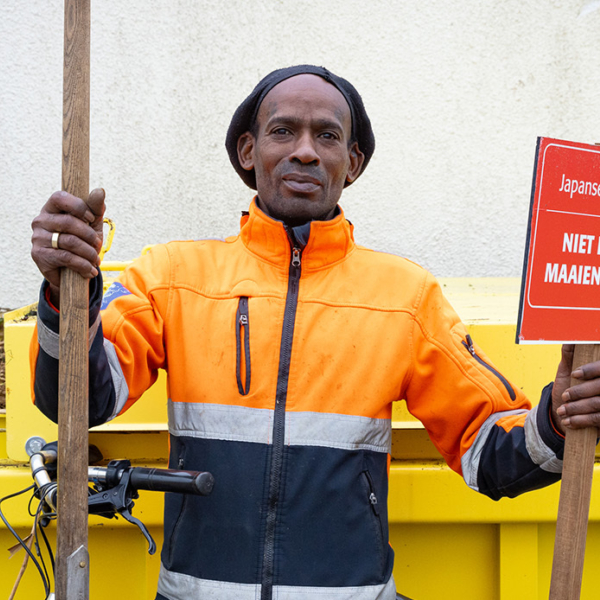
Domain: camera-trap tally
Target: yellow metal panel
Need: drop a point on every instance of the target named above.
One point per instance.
(446, 561)
(518, 561)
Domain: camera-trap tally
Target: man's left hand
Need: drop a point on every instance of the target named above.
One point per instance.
(578, 406)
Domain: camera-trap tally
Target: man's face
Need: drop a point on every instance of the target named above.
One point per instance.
(301, 151)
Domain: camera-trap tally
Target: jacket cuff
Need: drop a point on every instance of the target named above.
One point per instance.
(551, 437)
(49, 318)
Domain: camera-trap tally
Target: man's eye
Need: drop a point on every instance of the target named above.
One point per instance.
(280, 131)
(328, 135)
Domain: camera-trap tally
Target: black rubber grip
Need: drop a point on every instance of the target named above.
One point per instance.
(200, 483)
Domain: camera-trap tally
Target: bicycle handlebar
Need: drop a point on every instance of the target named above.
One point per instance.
(200, 483)
(158, 480)
(114, 487)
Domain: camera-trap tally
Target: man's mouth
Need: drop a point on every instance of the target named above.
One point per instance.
(301, 182)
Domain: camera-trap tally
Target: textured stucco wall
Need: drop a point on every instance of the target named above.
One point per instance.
(457, 92)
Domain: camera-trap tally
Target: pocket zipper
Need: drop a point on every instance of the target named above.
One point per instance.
(371, 490)
(468, 344)
(376, 518)
(242, 329)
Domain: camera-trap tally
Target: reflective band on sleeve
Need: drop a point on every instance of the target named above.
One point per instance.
(243, 424)
(471, 458)
(121, 388)
(178, 586)
(49, 340)
(540, 453)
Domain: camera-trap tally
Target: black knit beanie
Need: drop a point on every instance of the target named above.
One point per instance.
(245, 115)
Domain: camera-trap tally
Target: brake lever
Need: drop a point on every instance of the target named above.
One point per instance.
(129, 517)
(119, 499)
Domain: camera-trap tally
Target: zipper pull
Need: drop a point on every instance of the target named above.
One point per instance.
(243, 320)
(373, 498)
(469, 345)
(296, 257)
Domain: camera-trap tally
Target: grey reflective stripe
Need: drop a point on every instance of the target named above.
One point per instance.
(220, 422)
(243, 424)
(385, 591)
(471, 458)
(541, 454)
(177, 586)
(49, 340)
(345, 432)
(120, 385)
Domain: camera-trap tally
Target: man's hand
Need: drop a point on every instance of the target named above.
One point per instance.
(578, 406)
(79, 225)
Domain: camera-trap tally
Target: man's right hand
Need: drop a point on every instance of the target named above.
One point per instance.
(79, 225)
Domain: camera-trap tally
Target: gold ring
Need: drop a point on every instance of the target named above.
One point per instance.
(55, 240)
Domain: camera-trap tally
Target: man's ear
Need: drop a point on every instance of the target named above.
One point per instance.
(357, 158)
(245, 150)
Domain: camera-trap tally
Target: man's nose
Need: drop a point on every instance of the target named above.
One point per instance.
(305, 151)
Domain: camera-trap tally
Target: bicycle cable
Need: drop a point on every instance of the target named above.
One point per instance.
(42, 572)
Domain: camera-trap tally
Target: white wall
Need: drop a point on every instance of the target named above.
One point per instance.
(457, 92)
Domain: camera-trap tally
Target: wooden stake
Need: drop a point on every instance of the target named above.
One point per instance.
(574, 503)
(72, 574)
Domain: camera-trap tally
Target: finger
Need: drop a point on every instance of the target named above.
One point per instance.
(46, 224)
(63, 202)
(76, 246)
(581, 407)
(579, 414)
(53, 260)
(582, 391)
(95, 202)
(581, 421)
(566, 363)
(588, 371)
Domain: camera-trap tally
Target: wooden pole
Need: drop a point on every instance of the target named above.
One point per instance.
(574, 503)
(72, 569)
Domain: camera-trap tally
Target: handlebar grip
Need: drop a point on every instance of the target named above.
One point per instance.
(200, 483)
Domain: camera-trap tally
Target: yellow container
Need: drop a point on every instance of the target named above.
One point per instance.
(450, 542)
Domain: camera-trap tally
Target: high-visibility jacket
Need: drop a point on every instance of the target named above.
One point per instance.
(285, 349)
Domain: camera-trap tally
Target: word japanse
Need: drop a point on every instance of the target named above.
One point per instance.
(575, 186)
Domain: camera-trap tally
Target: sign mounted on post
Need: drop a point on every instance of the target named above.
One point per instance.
(560, 293)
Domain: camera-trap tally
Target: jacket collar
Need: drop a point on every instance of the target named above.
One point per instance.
(328, 242)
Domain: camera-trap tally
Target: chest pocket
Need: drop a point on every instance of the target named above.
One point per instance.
(243, 369)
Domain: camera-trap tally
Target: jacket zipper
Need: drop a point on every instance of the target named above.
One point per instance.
(242, 329)
(468, 344)
(287, 335)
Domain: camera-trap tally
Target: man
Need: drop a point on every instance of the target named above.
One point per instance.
(285, 347)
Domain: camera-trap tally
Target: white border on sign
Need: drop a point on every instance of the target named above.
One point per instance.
(536, 207)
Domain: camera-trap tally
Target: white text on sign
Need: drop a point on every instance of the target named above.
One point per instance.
(576, 186)
(578, 243)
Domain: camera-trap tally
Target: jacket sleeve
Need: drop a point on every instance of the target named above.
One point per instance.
(482, 424)
(126, 340)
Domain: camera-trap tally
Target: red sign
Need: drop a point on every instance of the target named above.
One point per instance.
(560, 293)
